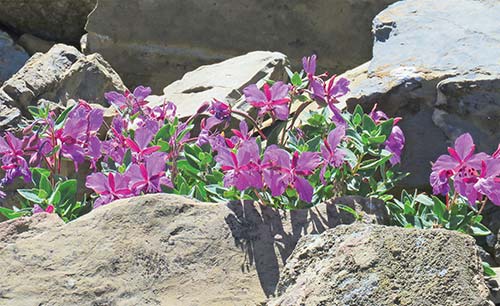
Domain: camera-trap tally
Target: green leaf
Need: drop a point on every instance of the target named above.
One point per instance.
(62, 117)
(184, 165)
(488, 271)
(67, 189)
(350, 210)
(377, 139)
(37, 173)
(368, 124)
(163, 133)
(356, 119)
(296, 80)
(478, 229)
(45, 185)
(358, 110)
(439, 208)
(424, 199)
(12, 214)
(127, 158)
(31, 195)
(373, 164)
(386, 127)
(55, 198)
(34, 111)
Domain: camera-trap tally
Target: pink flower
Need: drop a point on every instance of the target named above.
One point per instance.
(461, 160)
(309, 64)
(149, 176)
(280, 172)
(140, 145)
(134, 102)
(489, 181)
(109, 187)
(241, 169)
(38, 209)
(273, 100)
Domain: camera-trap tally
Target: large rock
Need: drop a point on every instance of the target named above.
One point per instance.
(24, 227)
(436, 65)
(61, 74)
(364, 265)
(12, 57)
(154, 249)
(59, 20)
(223, 81)
(170, 37)
(33, 44)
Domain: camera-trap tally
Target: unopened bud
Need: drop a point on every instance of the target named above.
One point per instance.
(203, 108)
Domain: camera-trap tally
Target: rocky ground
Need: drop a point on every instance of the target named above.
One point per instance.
(434, 63)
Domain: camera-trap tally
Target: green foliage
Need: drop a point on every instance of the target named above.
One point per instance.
(423, 211)
(61, 194)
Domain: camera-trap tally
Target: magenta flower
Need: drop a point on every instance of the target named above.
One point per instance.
(109, 188)
(395, 144)
(461, 159)
(134, 102)
(378, 115)
(280, 172)
(240, 135)
(38, 209)
(273, 100)
(241, 169)
(166, 111)
(333, 155)
(328, 91)
(140, 145)
(489, 181)
(309, 64)
(13, 162)
(396, 141)
(220, 110)
(149, 176)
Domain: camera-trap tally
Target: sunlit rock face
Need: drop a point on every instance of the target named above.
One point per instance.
(156, 42)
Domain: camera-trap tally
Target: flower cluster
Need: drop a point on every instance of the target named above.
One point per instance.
(132, 165)
(274, 169)
(244, 168)
(475, 176)
(302, 159)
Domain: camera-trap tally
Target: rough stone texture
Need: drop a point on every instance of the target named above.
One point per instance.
(224, 81)
(33, 44)
(61, 74)
(26, 227)
(159, 250)
(12, 57)
(427, 68)
(376, 265)
(170, 37)
(58, 20)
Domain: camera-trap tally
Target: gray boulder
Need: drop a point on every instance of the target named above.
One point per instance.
(58, 20)
(12, 57)
(159, 249)
(436, 65)
(61, 74)
(171, 37)
(223, 81)
(376, 265)
(33, 44)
